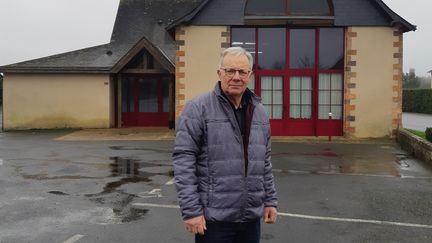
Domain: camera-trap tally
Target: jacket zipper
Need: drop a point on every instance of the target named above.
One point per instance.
(238, 131)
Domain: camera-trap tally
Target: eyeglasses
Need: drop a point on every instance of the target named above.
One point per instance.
(230, 72)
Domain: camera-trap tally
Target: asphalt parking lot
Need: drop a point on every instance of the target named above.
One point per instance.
(58, 190)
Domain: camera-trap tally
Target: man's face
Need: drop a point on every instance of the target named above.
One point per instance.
(234, 75)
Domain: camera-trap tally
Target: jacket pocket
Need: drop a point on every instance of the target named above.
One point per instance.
(259, 131)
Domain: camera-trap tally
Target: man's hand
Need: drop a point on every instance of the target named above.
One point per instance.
(270, 215)
(196, 225)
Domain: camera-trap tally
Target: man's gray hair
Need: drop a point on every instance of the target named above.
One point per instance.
(236, 51)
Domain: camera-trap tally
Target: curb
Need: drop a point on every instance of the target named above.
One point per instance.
(418, 147)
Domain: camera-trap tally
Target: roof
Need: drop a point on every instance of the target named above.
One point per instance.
(347, 13)
(137, 22)
(146, 24)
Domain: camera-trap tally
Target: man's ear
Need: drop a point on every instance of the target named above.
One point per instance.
(219, 72)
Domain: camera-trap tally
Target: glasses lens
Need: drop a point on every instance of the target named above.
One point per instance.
(231, 72)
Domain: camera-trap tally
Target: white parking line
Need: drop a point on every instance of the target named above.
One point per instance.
(355, 220)
(425, 226)
(73, 239)
(153, 193)
(170, 182)
(304, 172)
(141, 205)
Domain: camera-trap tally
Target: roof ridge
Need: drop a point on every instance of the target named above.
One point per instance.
(189, 16)
(396, 17)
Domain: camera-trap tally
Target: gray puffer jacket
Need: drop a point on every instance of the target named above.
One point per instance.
(209, 161)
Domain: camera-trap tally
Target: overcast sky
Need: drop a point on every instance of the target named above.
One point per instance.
(31, 29)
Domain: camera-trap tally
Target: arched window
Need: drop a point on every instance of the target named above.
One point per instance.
(289, 8)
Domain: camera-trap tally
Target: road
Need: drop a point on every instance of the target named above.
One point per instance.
(416, 121)
(53, 190)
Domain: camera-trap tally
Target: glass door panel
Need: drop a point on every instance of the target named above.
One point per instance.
(300, 97)
(148, 95)
(165, 95)
(127, 85)
(272, 96)
(145, 100)
(302, 48)
(330, 96)
(271, 48)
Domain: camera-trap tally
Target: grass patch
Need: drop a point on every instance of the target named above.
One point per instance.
(417, 133)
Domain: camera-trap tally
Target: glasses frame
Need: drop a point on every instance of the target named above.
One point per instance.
(243, 73)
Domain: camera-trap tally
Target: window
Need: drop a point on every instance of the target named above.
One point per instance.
(302, 48)
(289, 7)
(331, 48)
(330, 96)
(271, 48)
(127, 95)
(300, 97)
(251, 84)
(310, 7)
(244, 37)
(271, 94)
(148, 98)
(269, 7)
(165, 94)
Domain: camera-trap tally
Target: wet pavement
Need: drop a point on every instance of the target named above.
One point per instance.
(53, 190)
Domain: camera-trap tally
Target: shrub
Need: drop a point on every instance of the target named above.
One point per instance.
(418, 101)
(428, 133)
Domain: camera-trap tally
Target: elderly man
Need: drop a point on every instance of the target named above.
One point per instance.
(221, 158)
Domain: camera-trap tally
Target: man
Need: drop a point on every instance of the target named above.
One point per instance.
(221, 158)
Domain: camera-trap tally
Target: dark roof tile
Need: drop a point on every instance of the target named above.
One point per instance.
(347, 13)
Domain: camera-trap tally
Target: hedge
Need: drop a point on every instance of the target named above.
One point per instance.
(417, 101)
(428, 134)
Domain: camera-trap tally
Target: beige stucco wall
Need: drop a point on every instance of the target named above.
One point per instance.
(374, 80)
(56, 101)
(202, 49)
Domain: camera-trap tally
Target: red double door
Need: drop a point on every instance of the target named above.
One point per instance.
(302, 104)
(145, 100)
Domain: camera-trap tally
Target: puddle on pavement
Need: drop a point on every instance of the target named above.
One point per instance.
(141, 148)
(133, 171)
(402, 161)
(120, 202)
(58, 193)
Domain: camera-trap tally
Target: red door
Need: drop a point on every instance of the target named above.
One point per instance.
(145, 101)
(288, 101)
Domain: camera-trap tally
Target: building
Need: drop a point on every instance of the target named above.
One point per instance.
(322, 67)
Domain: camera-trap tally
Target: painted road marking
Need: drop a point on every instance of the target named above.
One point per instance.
(304, 172)
(73, 239)
(292, 215)
(143, 205)
(153, 193)
(170, 182)
(1, 162)
(355, 220)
